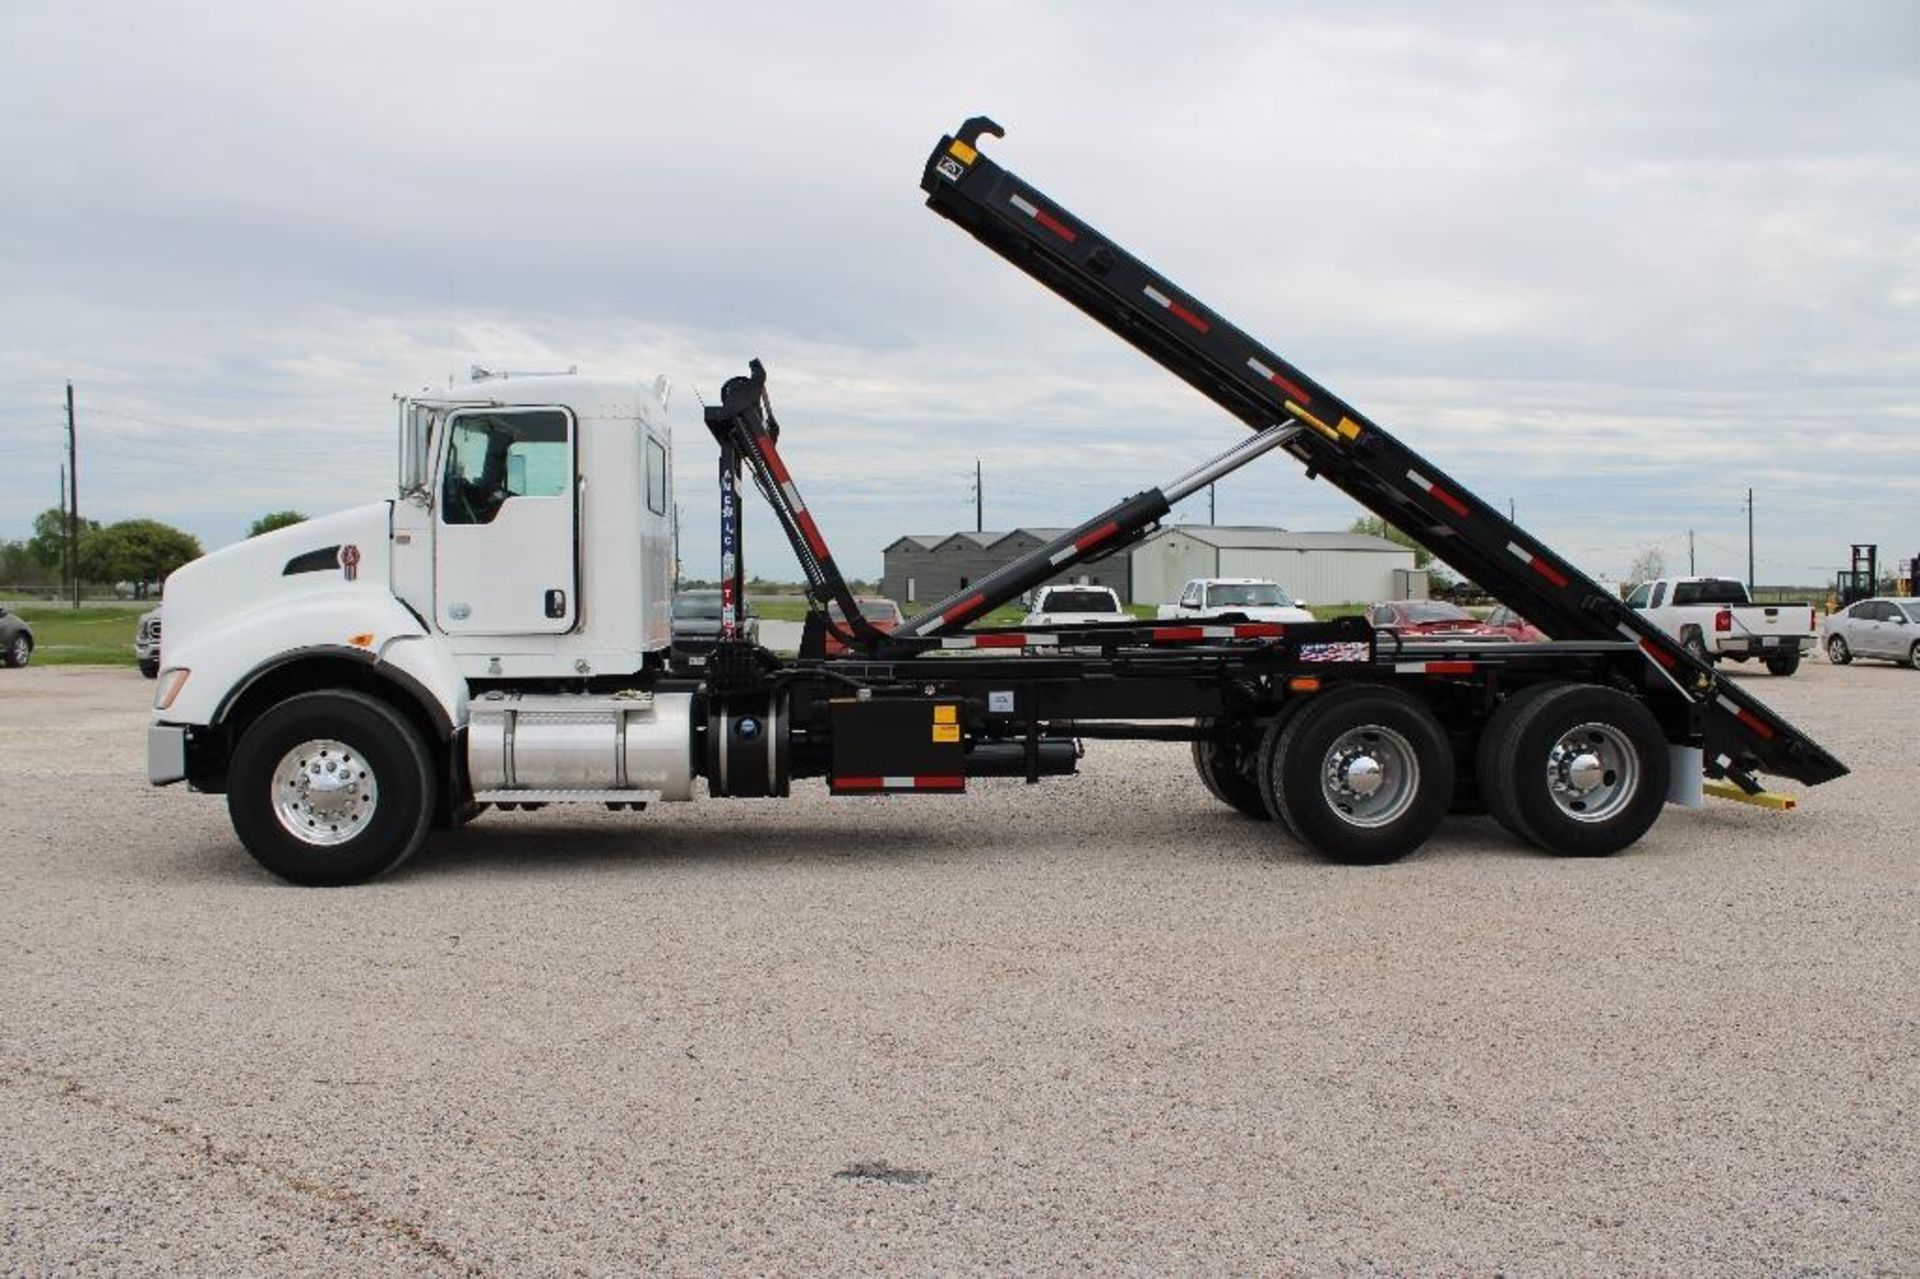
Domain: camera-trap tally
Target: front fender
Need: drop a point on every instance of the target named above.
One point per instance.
(224, 659)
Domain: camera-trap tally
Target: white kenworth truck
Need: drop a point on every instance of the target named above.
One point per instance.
(497, 633)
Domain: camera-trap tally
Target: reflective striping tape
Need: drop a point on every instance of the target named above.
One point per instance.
(1259, 630)
(1062, 555)
(1096, 537)
(792, 495)
(1171, 633)
(1434, 668)
(999, 641)
(1279, 380)
(972, 601)
(1044, 218)
(815, 543)
(1657, 653)
(775, 467)
(1538, 565)
(920, 782)
(1158, 297)
(1025, 206)
(1434, 491)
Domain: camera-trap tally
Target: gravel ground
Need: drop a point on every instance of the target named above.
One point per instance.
(1104, 1026)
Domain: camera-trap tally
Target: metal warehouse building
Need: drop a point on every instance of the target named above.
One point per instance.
(1324, 568)
(1320, 568)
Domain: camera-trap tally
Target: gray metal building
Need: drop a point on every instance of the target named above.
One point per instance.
(921, 568)
(1321, 568)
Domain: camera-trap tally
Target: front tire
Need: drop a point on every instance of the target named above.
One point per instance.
(19, 651)
(150, 669)
(1837, 651)
(331, 788)
(1913, 656)
(1579, 770)
(1362, 775)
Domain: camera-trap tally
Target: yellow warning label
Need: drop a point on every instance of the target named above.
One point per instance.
(946, 732)
(1349, 428)
(962, 152)
(946, 714)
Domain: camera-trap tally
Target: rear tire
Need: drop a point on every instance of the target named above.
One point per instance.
(1362, 774)
(1913, 656)
(1696, 645)
(1218, 760)
(331, 788)
(1783, 663)
(19, 651)
(1837, 651)
(1579, 770)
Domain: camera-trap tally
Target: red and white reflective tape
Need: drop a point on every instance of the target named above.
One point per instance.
(1537, 564)
(1186, 316)
(1084, 543)
(1280, 380)
(934, 782)
(997, 641)
(1044, 218)
(1155, 634)
(1435, 668)
(1438, 494)
(1746, 717)
(1663, 661)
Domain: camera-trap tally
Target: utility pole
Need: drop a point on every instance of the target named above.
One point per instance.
(979, 500)
(73, 493)
(1749, 541)
(1210, 507)
(1510, 511)
(1691, 571)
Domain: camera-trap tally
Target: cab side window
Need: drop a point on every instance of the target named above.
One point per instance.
(499, 455)
(1641, 594)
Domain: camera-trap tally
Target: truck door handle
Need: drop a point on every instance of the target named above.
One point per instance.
(556, 603)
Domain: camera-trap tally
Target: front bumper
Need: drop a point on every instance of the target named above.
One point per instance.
(166, 754)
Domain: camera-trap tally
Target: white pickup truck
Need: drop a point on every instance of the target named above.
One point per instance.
(1713, 618)
(1249, 597)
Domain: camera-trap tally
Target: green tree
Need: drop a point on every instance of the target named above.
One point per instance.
(137, 551)
(275, 519)
(48, 545)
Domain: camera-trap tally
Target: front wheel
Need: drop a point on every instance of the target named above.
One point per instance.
(1783, 663)
(19, 651)
(1837, 651)
(1362, 775)
(1579, 770)
(150, 669)
(331, 788)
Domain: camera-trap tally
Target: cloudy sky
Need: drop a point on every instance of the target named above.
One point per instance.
(1616, 263)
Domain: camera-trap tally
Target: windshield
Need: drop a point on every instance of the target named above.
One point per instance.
(1256, 594)
(1079, 602)
(1434, 611)
(697, 606)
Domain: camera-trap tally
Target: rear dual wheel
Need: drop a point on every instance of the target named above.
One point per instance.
(1579, 770)
(1361, 774)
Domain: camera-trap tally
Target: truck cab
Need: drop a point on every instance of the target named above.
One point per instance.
(528, 549)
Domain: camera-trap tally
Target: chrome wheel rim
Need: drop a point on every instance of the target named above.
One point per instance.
(19, 651)
(324, 792)
(1592, 772)
(1369, 775)
(1837, 649)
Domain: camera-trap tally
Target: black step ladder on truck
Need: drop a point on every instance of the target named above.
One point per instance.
(1739, 735)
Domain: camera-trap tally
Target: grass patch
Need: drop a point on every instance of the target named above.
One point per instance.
(83, 637)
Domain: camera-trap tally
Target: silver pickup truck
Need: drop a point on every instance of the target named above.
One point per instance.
(1714, 618)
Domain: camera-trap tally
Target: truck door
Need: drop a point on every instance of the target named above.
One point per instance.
(505, 548)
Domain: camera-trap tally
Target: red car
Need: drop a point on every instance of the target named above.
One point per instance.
(1430, 619)
(1515, 627)
(883, 613)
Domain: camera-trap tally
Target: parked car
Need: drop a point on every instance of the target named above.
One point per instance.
(1430, 619)
(1713, 618)
(1883, 628)
(16, 639)
(1514, 627)
(1252, 598)
(1073, 606)
(146, 644)
(696, 625)
(883, 613)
